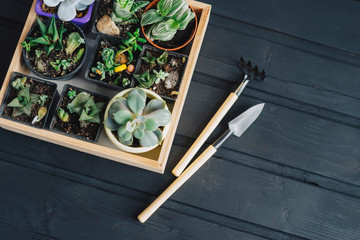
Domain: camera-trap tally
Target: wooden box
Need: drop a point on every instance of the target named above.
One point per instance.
(154, 160)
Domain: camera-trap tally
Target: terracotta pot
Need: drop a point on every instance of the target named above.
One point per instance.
(112, 137)
(170, 49)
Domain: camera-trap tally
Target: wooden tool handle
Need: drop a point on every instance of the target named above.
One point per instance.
(219, 115)
(177, 183)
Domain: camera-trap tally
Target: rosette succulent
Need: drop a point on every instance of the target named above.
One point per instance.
(169, 17)
(134, 120)
(67, 8)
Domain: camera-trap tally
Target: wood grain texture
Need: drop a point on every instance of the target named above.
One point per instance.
(293, 175)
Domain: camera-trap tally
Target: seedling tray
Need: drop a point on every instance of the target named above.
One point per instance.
(154, 160)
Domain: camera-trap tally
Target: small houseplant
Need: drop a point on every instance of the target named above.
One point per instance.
(54, 50)
(79, 113)
(114, 60)
(161, 71)
(118, 17)
(77, 11)
(169, 24)
(28, 100)
(137, 120)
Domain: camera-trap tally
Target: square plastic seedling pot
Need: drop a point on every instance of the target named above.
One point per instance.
(54, 96)
(54, 117)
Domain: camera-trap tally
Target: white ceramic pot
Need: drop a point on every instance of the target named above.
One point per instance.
(112, 137)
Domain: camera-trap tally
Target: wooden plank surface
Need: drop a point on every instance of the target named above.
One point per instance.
(293, 175)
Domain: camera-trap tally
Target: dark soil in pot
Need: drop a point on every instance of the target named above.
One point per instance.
(89, 132)
(53, 10)
(105, 7)
(36, 87)
(40, 63)
(115, 79)
(175, 66)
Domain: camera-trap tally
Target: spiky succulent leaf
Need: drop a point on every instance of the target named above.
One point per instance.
(78, 103)
(42, 26)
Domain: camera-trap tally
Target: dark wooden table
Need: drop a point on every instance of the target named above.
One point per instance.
(295, 174)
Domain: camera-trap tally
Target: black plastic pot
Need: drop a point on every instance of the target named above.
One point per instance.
(50, 107)
(94, 22)
(93, 62)
(67, 25)
(55, 117)
(173, 54)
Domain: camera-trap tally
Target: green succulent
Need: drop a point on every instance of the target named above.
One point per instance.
(132, 118)
(24, 101)
(150, 59)
(73, 42)
(124, 11)
(84, 105)
(58, 64)
(160, 76)
(19, 83)
(162, 59)
(146, 80)
(169, 17)
(51, 37)
(71, 94)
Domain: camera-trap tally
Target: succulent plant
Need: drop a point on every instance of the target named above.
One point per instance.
(51, 37)
(169, 17)
(73, 42)
(23, 102)
(67, 8)
(124, 11)
(84, 105)
(19, 83)
(160, 76)
(111, 62)
(146, 80)
(133, 119)
(58, 64)
(150, 59)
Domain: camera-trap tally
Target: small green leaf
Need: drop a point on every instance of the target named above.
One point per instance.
(124, 134)
(64, 116)
(164, 7)
(149, 139)
(151, 124)
(139, 133)
(162, 116)
(111, 124)
(15, 103)
(123, 116)
(153, 105)
(136, 103)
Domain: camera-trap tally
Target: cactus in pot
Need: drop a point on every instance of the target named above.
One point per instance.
(136, 121)
(67, 8)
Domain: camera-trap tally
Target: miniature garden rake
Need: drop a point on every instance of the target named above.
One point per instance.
(249, 73)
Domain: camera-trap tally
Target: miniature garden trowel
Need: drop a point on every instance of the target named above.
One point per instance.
(250, 73)
(236, 127)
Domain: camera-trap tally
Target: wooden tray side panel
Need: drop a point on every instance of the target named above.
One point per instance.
(194, 54)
